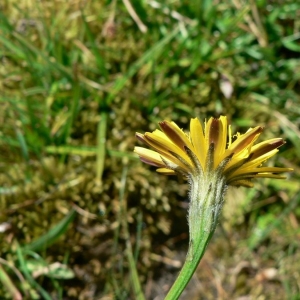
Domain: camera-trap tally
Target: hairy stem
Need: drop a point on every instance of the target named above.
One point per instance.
(206, 200)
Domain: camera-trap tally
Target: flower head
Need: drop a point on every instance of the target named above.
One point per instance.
(210, 149)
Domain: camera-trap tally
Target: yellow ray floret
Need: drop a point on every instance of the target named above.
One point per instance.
(210, 148)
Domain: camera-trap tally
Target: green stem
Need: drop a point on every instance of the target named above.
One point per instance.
(188, 270)
(206, 200)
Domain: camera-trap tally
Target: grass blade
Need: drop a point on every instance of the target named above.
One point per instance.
(8, 284)
(84, 151)
(52, 235)
(99, 60)
(101, 144)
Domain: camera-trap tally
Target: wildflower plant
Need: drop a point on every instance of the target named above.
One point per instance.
(211, 161)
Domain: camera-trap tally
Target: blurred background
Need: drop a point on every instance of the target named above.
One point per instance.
(80, 216)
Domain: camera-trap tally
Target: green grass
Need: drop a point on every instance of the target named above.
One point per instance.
(77, 80)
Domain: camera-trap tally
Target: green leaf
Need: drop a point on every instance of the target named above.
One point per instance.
(52, 235)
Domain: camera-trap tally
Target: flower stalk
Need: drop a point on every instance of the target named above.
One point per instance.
(207, 191)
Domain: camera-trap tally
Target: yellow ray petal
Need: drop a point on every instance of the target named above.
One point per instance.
(224, 134)
(198, 140)
(218, 136)
(216, 133)
(206, 132)
(244, 141)
(167, 146)
(251, 171)
(162, 144)
(175, 134)
(150, 157)
(266, 175)
(259, 160)
(166, 171)
(265, 147)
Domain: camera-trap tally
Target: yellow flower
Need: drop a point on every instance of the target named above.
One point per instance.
(211, 158)
(211, 149)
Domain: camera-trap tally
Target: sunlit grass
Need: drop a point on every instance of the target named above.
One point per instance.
(77, 80)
